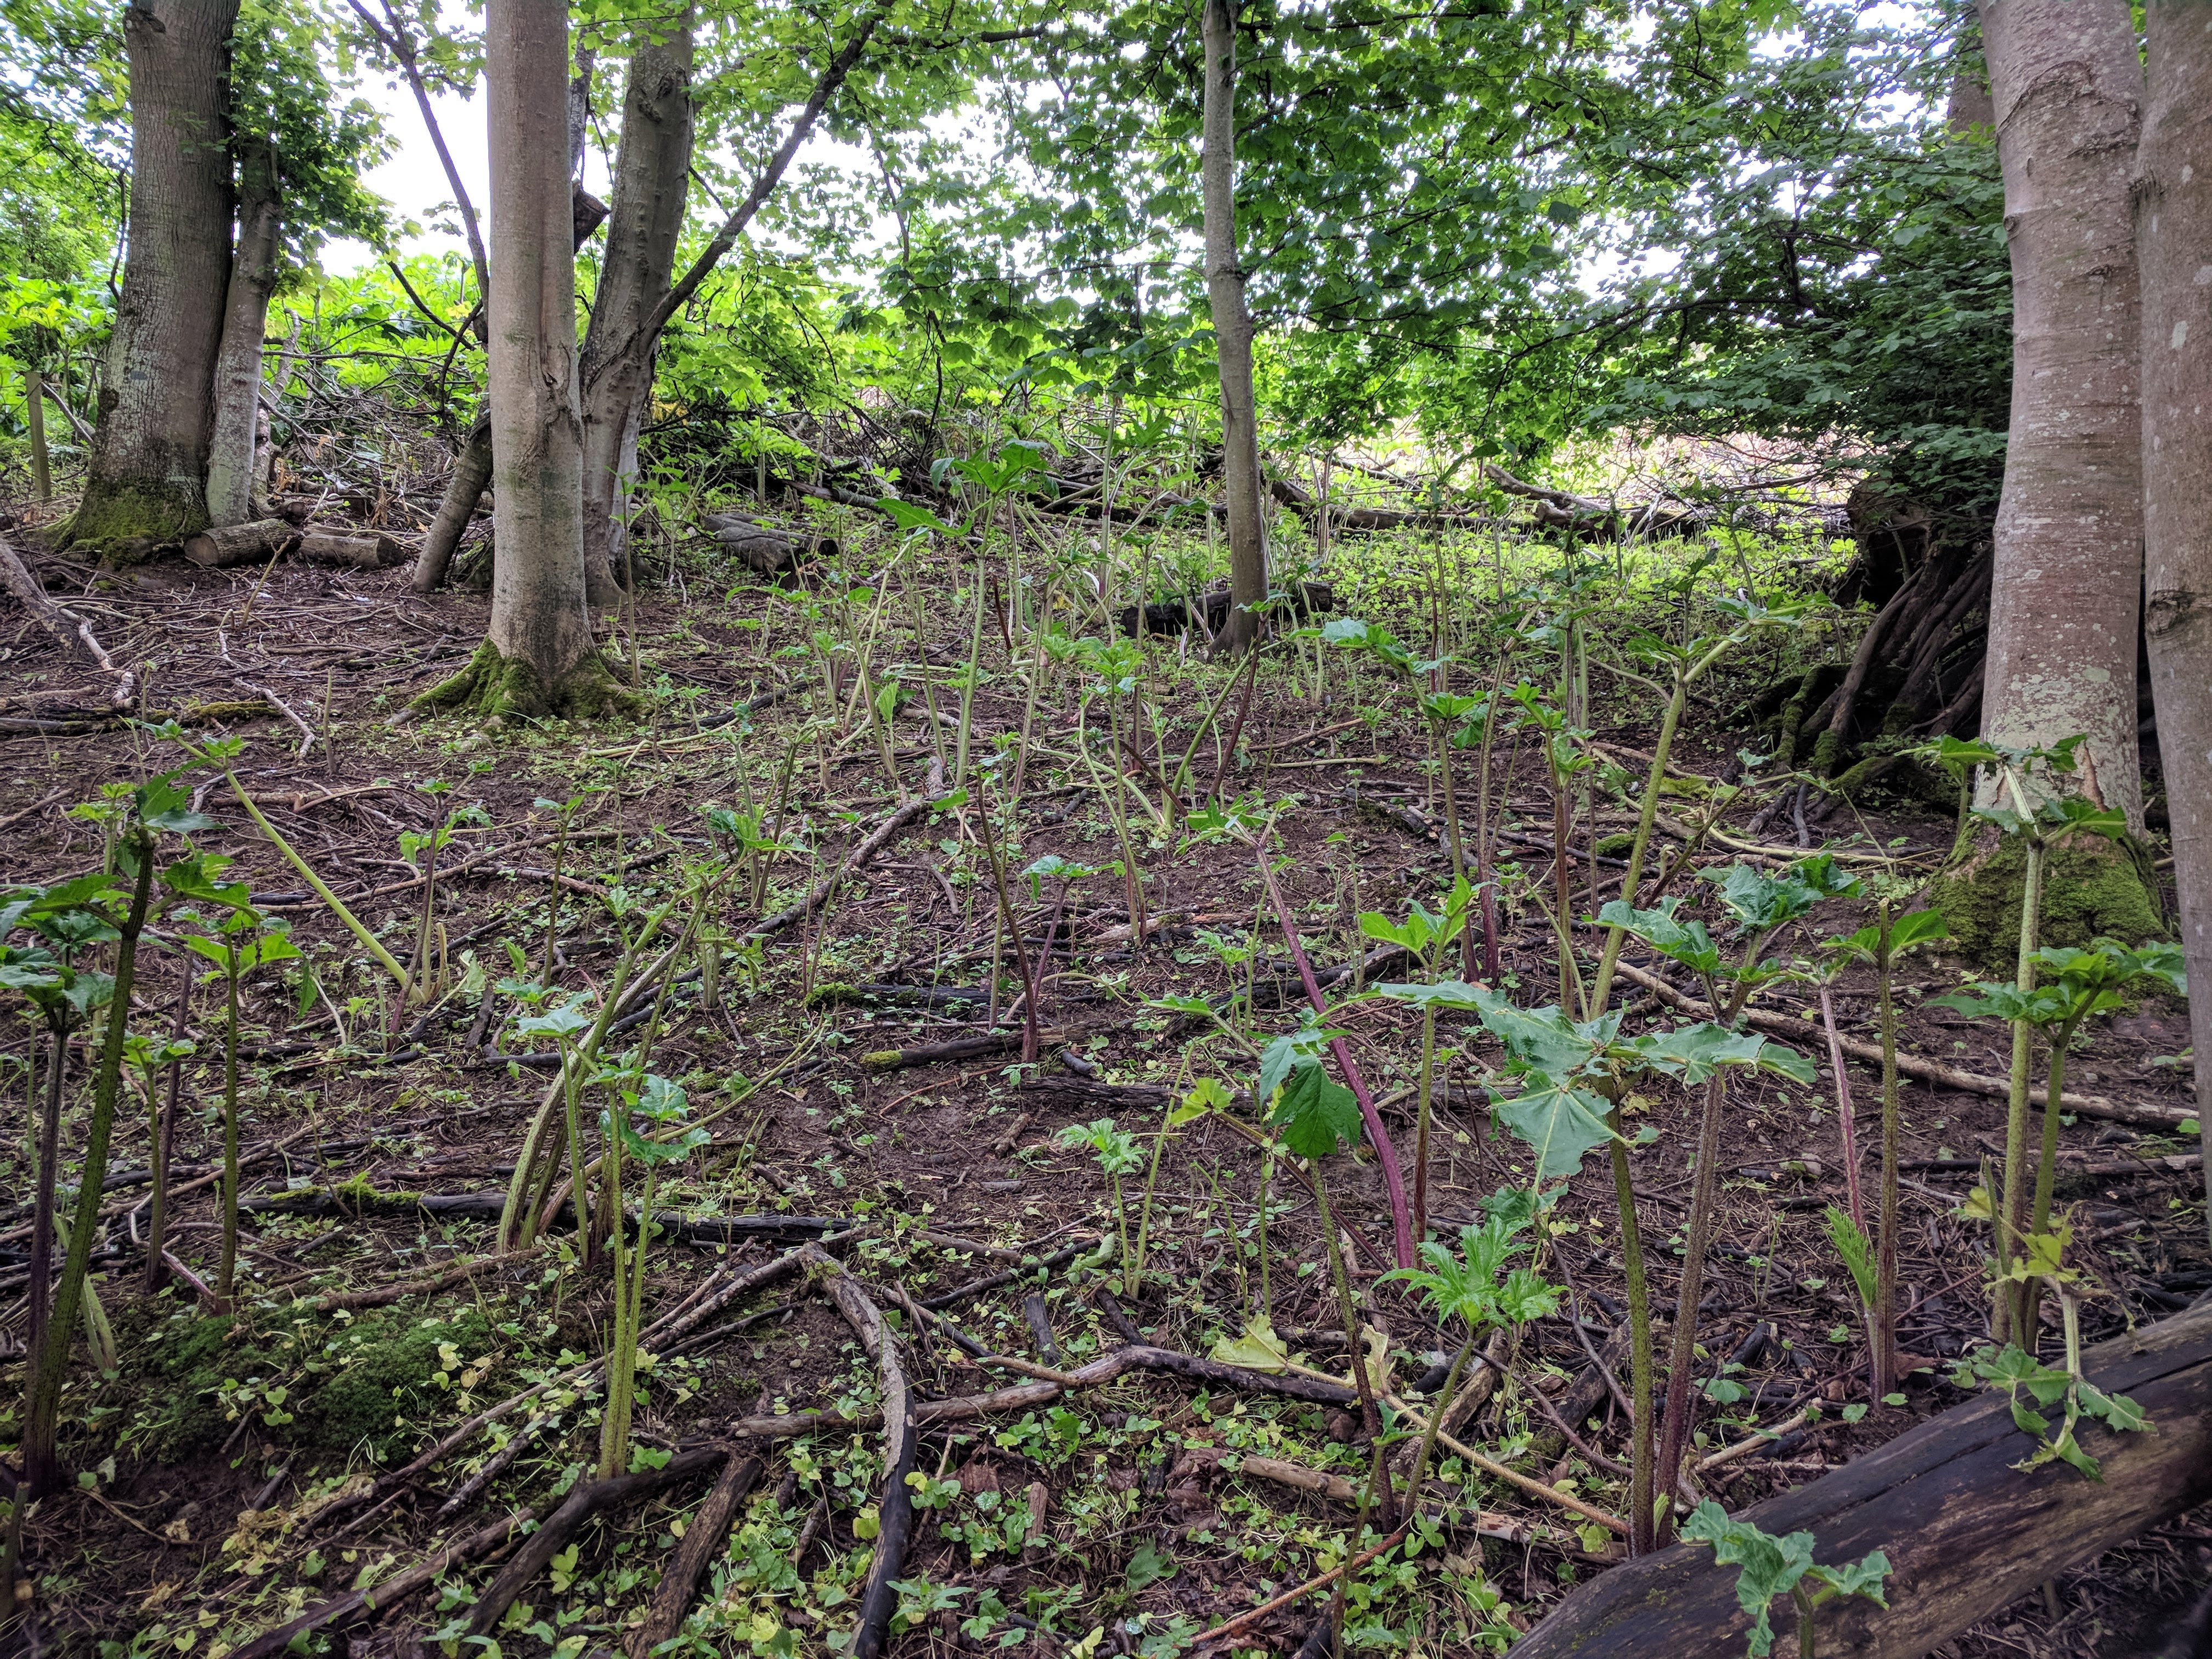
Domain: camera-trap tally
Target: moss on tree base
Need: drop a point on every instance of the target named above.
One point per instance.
(127, 524)
(494, 686)
(2091, 888)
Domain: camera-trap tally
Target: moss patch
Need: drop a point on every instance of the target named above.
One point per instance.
(127, 524)
(2091, 888)
(495, 687)
(371, 1385)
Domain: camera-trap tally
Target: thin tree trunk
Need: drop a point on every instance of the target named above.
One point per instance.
(2067, 583)
(245, 329)
(147, 480)
(2173, 233)
(652, 170)
(465, 487)
(1232, 333)
(264, 440)
(539, 627)
(34, 416)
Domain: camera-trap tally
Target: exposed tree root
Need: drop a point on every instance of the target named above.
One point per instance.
(495, 687)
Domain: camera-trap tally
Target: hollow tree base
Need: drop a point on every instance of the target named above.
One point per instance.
(2091, 888)
(492, 685)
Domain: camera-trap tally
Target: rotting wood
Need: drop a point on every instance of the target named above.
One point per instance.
(1966, 1530)
(703, 1538)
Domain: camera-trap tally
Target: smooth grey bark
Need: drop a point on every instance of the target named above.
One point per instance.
(653, 167)
(35, 417)
(230, 474)
(537, 614)
(2174, 252)
(2066, 84)
(264, 443)
(465, 487)
(1232, 334)
(147, 476)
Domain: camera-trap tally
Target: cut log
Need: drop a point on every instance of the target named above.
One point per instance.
(253, 543)
(1210, 610)
(1965, 1531)
(361, 549)
(766, 549)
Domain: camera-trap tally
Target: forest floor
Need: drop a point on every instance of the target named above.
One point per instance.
(1126, 1517)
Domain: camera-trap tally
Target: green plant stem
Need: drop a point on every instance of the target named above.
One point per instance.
(968, 687)
(1421, 1122)
(1885, 1310)
(2010, 1302)
(2046, 1167)
(417, 987)
(353, 923)
(553, 902)
(1647, 819)
(42, 1406)
(1641, 1538)
(228, 1271)
(621, 1353)
(1436, 1409)
(1369, 1419)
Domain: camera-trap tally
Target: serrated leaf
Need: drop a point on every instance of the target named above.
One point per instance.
(1316, 1113)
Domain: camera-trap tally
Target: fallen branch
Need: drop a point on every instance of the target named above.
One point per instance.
(387, 1594)
(585, 1500)
(819, 894)
(894, 1508)
(74, 632)
(702, 1537)
(1966, 1528)
(1913, 1065)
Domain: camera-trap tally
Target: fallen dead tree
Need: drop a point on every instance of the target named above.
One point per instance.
(263, 539)
(1964, 1530)
(765, 548)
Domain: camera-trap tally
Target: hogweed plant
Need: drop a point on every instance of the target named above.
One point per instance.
(1769, 1567)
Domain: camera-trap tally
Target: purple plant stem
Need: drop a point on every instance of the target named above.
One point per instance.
(1401, 1220)
(1844, 1110)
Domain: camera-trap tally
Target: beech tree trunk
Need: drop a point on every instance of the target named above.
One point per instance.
(652, 168)
(2066, 82)
(146, 481)
(2173, 242)
(539, 657)
(230, 474)
(1232, 333)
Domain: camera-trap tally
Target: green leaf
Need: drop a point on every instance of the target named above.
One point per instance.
(1687, 942)
(1258, 1349)
(1558, 1122)
(1317, 1114)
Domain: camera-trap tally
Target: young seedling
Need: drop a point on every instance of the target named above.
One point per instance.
(1881, 944)
(1770, 1566)
(2012, 1369)
(1116, 1149)
(1479, 1288)
(1425, 935)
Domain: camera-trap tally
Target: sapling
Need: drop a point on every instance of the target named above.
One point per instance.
(1116, 1149)
(1424, 936)
(1881, 943)
(152, 1058)
(645, 1121)
(1206, 1095)
(240, 941)
(1772, 1566)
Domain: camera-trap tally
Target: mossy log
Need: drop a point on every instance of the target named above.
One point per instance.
(1964, 1530)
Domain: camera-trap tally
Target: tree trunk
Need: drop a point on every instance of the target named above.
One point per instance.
(652, 168)
(34, 416)
(2173, 230)
(1232, 334)
(264, 442)
(538, 658)
(245, 328)
(147, 481)
(2067, 584)
(465, 487)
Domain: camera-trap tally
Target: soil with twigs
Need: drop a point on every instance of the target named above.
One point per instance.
(215, 1502)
